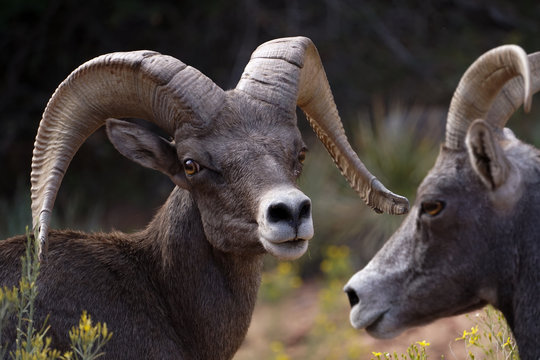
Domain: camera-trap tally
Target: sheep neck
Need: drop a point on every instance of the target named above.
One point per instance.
(525, 313)
(518, 284)
(210, 294)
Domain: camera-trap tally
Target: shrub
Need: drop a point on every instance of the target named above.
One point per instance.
(279, 281)
(414, 352)
(87, 340)
(490, 337)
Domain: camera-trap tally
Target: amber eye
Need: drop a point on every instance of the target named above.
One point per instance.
(302, 155)
(432, 208)
(191, 167)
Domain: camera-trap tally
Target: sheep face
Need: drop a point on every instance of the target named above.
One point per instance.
(450, 254)
(241, 172)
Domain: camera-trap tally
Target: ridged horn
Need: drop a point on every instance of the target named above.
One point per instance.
(513, 94)
(287, 73)
(138, 84)
(479, 87)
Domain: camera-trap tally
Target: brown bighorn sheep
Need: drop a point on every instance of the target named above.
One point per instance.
(185, 286)
(471, 237)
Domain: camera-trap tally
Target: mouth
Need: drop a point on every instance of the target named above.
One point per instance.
(382, 327)
(378, 329)
(286, 250)
(373, 327)
(375, 322)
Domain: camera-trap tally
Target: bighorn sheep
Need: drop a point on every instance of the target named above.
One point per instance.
(185, 286)
(472, 236)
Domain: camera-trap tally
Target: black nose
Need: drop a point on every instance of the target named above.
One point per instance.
(353, 298)
(291, 214)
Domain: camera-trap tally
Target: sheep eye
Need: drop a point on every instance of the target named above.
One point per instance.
(191, 167)
(302, 155)
(432, 208)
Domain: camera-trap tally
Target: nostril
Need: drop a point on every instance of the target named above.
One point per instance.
(305, 209)
(353, 298)
(279, 212)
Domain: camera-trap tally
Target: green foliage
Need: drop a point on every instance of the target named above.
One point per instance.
(336, 265)
(329, 339)
(8, 304)
(414, 352)
(87, 340)
(490, 337)
(399, 141)
(279, 281)
(29, 342)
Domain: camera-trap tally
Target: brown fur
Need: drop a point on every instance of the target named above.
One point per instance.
(185, 286)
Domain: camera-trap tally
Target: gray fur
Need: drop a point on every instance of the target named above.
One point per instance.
(483, 247)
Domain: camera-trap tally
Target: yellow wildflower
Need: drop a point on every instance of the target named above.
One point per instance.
(423, 343)
(465, 333)
(276, 346)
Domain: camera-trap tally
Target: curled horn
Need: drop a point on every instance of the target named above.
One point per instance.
(139, 84)
(479, 87)
(512, 95)
(287, 73)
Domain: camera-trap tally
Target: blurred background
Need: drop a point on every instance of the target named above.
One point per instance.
(392, 65)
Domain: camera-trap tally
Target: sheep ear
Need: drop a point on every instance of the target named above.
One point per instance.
(486, 155)
(146, 148)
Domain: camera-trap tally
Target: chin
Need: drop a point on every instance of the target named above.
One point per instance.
(384, 333)
(381, 326)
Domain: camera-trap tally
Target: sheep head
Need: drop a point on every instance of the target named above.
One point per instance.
(454, 250)
(237, 152)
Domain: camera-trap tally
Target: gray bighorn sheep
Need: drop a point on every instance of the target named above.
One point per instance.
(185, 286)
(472, 236)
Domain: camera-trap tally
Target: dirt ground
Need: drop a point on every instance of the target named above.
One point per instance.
(290, 322)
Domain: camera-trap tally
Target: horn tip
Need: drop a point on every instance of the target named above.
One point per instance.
(389, 202)
(527, 100)
(400, 205)
(42, 243)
